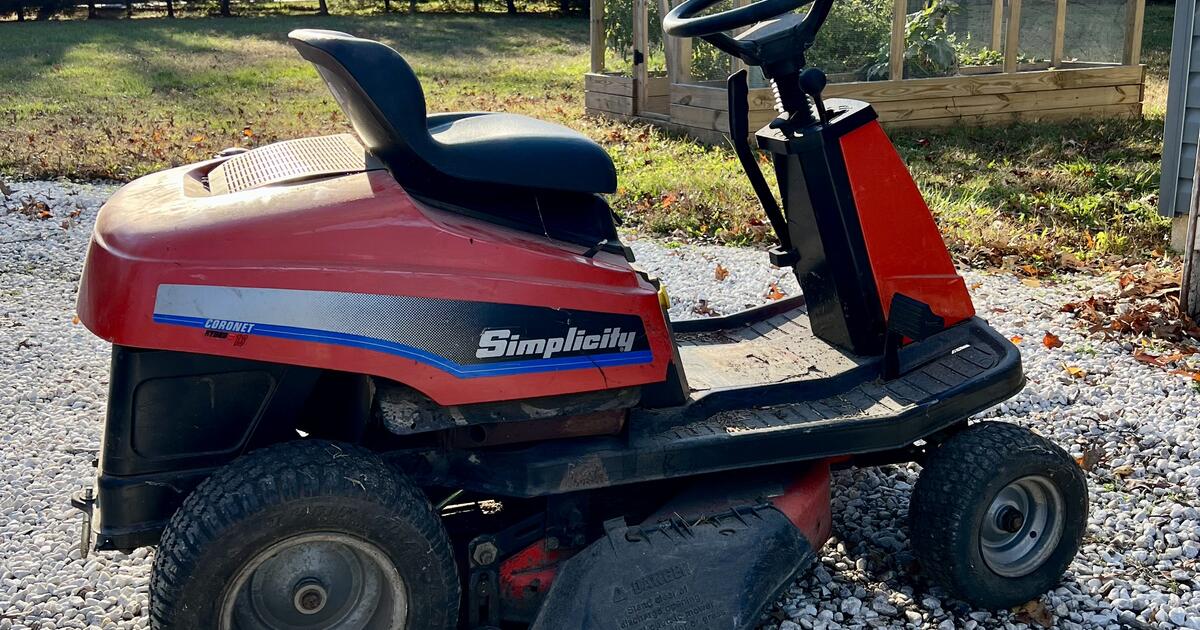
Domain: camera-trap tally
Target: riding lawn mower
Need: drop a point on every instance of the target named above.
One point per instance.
(412, 378)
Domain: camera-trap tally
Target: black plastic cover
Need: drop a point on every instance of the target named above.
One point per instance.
(721, 572)
(172, 418)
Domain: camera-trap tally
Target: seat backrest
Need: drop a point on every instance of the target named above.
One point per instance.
(376, 89)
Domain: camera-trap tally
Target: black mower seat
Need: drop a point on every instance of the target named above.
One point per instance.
(383, 99)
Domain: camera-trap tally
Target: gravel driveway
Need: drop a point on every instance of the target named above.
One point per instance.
(1137, 568)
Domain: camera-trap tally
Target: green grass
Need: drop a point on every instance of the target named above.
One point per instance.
(115, 99)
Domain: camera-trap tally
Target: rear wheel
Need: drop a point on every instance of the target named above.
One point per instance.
(305, 535)
(997, 514)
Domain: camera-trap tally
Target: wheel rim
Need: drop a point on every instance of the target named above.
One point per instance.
(319, 580)
(1022, 526)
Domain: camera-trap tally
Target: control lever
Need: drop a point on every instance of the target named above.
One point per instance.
(813, 82)
(738, 89)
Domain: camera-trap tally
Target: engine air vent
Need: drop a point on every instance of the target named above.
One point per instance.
(291, 160)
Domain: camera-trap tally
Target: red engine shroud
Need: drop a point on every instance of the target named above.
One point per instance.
(361, 234)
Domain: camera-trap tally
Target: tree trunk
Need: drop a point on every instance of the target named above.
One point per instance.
(128, 8)
(564, 7)
(91, 10)
(20, 13)
(412, 6)
(225, 12)
(322, 7)
(387, 6)
(512, 7)
(475, 6)
(171, 8)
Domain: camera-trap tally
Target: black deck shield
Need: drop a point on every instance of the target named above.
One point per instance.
(720, 572)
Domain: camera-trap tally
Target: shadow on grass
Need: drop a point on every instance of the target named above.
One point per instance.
(33, 50)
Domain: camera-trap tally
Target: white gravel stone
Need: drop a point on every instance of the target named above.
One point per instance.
(1137, 568)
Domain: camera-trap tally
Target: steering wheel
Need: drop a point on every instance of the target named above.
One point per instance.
(767, 47)
(682, 20)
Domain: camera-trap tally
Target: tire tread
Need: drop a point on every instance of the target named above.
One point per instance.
(273, 476)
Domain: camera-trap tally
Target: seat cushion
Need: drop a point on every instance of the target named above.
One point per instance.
(519, 151)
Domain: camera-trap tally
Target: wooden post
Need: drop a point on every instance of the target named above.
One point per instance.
(738, 64)
(1013, 36)
(1060, 29)
(997, 24)
(896, 50)
(596, 20)
(679, 57)
(1135, 17)
(683, 48)
(641, 48)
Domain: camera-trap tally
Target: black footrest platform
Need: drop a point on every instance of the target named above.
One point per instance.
(944, 379)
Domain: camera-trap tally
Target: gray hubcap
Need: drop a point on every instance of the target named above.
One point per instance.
(319, 580)
(1022, 526)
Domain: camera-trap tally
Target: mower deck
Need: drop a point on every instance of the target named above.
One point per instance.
(811, 402)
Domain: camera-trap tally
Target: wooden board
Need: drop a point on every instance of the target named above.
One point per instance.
(1055, 94)
(881, 91)
(716, 97)
(715, 119)
(1132, 110)
(608, 84)
(658, 86)
(999, 103)
(608, 103)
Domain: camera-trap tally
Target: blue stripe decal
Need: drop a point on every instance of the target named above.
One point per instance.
(530, 366)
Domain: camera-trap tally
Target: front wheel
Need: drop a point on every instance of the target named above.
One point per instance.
(305, 535)
(997, 515)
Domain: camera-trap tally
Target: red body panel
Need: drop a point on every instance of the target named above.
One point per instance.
(806, 503)
(905, 249)
(525, 578)
(357, 233)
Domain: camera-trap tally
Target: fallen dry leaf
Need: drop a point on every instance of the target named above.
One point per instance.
(975, 285)
(1090, 458)
(1075, 372)
(1016, 339)
(774, 293)
(1031, 282)
(1035, 612)
(1052, 341)
(721, 272)
(1192, 374)
(1123, 471)
(702, 308)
